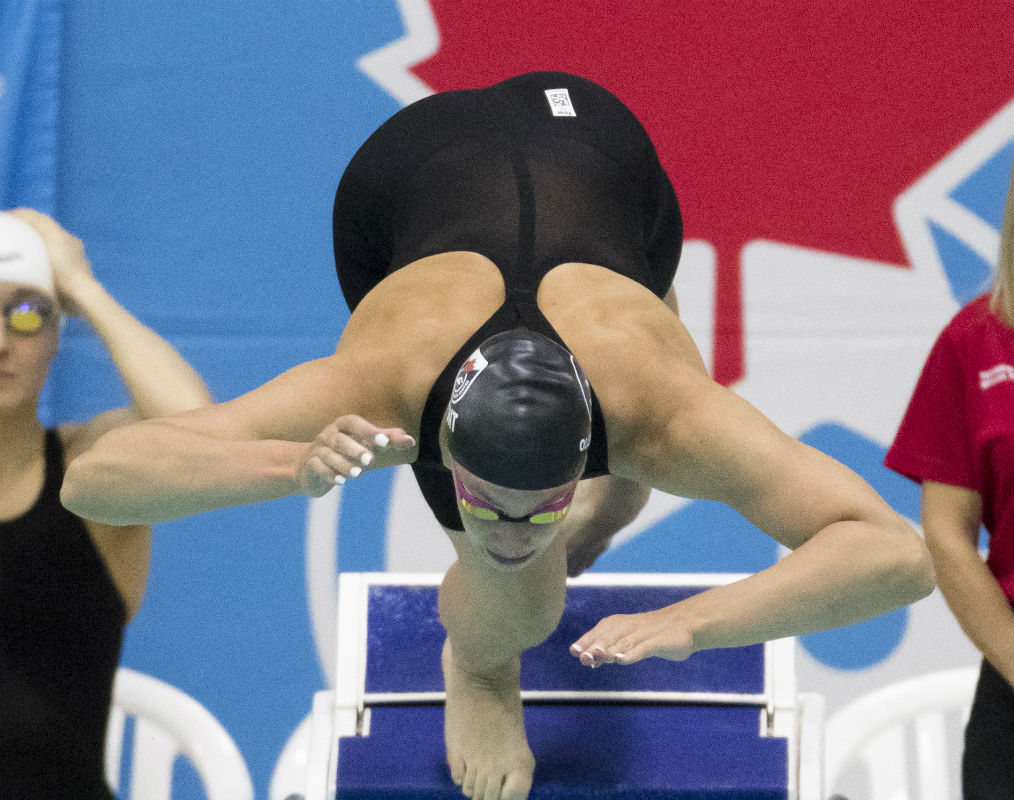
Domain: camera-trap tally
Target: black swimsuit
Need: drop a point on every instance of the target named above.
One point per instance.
(61, 624)
(527, 178)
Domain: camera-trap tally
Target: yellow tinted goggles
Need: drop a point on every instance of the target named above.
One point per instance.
(546, 515)
(26, 316)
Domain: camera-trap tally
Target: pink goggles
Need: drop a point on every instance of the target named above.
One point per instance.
(545, 515)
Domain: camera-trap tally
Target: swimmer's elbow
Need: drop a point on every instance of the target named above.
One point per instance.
(912, 574)
(73, 494)
(82, 496)
(923, 576)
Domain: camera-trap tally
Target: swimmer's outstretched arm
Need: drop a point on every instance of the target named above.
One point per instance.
(284, 438)
(852, 556)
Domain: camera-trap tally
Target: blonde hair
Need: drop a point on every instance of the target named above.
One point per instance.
(1001, 301)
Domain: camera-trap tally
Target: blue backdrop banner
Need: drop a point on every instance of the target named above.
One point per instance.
(30, 35)
(831, 232)
(29, 101)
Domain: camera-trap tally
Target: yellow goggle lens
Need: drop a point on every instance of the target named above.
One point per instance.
(25, 320)
(479, 512)
(546, 517)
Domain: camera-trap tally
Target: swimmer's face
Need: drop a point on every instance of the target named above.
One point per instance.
(510, 527)
(29, 337)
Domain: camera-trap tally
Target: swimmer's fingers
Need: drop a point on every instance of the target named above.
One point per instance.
(66, 255)
(629, 638)
(369, 436)
(350, 444)
(315, 478)
(331, 459)
(606, 633)
(606, 643)
(321, 469)
(337, 456)
(345, 449)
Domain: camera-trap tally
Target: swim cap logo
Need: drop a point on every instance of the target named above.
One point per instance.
(469, 371)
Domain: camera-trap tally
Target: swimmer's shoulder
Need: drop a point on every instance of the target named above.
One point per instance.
(429, 301)
(415, 320)
(639, 357)
(609, 317)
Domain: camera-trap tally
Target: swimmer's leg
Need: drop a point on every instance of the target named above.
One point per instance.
(491, 617)
(602, 506)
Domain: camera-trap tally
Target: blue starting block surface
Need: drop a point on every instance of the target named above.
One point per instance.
(404, 620)
(717, 725)
(616, 751)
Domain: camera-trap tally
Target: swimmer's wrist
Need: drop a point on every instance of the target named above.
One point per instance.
(82, 295)
(279, 467)
(699, 628)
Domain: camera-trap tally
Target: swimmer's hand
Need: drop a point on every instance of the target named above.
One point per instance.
(72, 272)
(628, 638)
(345, 449)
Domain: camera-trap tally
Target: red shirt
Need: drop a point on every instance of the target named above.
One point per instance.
(959, 426)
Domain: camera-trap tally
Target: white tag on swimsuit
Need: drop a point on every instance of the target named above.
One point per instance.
(559, 103)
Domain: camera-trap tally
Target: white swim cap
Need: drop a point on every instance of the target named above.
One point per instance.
(23, 256)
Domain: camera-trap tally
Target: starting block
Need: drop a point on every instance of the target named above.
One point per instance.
(722, 724)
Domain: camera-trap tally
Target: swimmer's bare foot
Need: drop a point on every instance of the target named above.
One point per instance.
(484, 730)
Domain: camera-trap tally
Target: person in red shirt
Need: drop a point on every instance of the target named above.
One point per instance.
(957, 440)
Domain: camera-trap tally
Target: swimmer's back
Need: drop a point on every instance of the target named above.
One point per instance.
(494, 171)
(415, 321)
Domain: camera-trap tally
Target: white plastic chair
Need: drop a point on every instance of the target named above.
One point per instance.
(289, 776)
(874, 727)
(169, 724)
(304, 769)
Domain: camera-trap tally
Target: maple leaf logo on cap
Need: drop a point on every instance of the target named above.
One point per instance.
(466, 376)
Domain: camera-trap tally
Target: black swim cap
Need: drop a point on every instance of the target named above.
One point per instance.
(520, 412)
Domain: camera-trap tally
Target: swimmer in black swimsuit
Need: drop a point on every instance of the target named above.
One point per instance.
(556, 186)
(68, 586)
(521, 239)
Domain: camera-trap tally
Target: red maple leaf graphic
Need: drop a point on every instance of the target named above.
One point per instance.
(794, 120)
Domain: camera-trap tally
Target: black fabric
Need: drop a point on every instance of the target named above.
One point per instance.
(493, 171)
(61, 627)
(987, 765)
(434, 479)
(523, 418)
